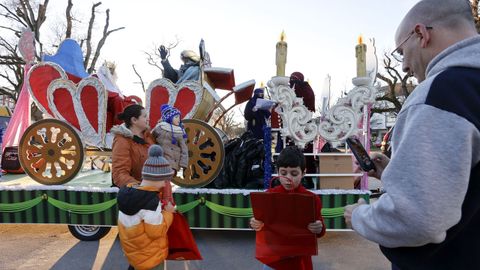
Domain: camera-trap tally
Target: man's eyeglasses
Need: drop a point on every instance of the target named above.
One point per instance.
(397, 54)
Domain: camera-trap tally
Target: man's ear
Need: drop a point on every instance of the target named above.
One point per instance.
(422, 32)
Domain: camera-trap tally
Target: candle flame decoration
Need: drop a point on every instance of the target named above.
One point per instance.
(281, 55)
(360, 54)
(282, 36)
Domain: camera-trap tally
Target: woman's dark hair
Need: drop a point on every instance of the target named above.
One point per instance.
(134, 110)
(291, 157)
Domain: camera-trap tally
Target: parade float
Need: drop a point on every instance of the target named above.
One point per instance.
(59, 189)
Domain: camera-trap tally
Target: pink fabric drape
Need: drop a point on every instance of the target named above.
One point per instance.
(21, 116)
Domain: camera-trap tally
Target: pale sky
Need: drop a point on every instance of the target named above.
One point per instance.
(321, 35)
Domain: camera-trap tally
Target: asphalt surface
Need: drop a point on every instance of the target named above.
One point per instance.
(53, 247)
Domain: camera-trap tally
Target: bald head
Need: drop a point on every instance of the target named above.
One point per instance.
(445, 14)
(429, 28)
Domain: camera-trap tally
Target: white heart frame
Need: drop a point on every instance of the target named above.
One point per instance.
(87, 131)
(59, 69)
(173, 89)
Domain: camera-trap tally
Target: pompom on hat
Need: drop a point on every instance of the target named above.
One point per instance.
(156, 167)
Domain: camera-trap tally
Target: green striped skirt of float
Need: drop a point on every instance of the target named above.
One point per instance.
(209, 210)
(58, 207)
(215, 210)
(233, 211)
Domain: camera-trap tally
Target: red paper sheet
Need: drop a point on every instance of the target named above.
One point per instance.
(286, 218)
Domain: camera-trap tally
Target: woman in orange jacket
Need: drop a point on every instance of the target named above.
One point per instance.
(130, 146)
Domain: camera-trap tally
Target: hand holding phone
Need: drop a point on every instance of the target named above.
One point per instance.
(364, 160)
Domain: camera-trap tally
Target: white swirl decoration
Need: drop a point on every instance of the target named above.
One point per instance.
(340, 122)
(297, 119)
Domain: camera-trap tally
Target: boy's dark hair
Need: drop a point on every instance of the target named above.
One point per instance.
(291, 157)
(134, 110)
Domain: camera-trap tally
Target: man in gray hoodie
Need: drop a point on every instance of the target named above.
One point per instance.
(429, 217)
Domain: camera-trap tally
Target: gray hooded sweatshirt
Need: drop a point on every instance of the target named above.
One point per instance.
(431, 211)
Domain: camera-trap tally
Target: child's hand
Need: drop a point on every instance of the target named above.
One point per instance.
(257, 225)
(169, 208)
(316, 227)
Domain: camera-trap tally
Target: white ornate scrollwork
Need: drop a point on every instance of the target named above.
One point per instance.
(340, 122)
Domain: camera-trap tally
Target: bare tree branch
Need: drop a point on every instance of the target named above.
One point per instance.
(41, 15)
(28, 8)
(26, 14)
(68, 14)
(151, 61)
(89, 35)
(140, 77)
(12, 15)
(6, 77)
(397, 88)
(385, 79)
(101, 42)
(154, 59)
(7, 92)
(11, 29)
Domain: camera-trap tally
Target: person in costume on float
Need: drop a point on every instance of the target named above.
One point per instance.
(130, 146)
(143, 220)
(190, 70)
(291, 169)
(304, 90)
(116, 101)
(255, 117)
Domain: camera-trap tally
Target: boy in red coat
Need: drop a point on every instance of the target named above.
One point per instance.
(291, 168)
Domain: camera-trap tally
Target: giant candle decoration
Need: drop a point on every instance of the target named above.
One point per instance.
(281, 55)
(360, 53)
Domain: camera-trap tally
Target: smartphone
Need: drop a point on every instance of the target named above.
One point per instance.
(364, 160)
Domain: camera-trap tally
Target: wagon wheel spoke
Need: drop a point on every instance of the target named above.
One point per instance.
(205, 154)
(61, 152)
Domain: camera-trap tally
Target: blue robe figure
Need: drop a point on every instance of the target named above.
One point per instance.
(256, 118)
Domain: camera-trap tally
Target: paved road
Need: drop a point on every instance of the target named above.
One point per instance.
(41, 247)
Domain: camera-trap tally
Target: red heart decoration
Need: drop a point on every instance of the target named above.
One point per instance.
(83, 106)
(63, 100)
(39, 78)
(186, 97)
(89, 96)
(185, 101)
(160, 95)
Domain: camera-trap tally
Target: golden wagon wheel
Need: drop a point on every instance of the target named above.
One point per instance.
(205, 154)
(51, 152)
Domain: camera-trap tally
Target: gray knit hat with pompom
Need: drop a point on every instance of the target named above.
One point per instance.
(156, 167)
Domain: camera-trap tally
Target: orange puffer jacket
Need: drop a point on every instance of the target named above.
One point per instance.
(128, 155)
(142, 226)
